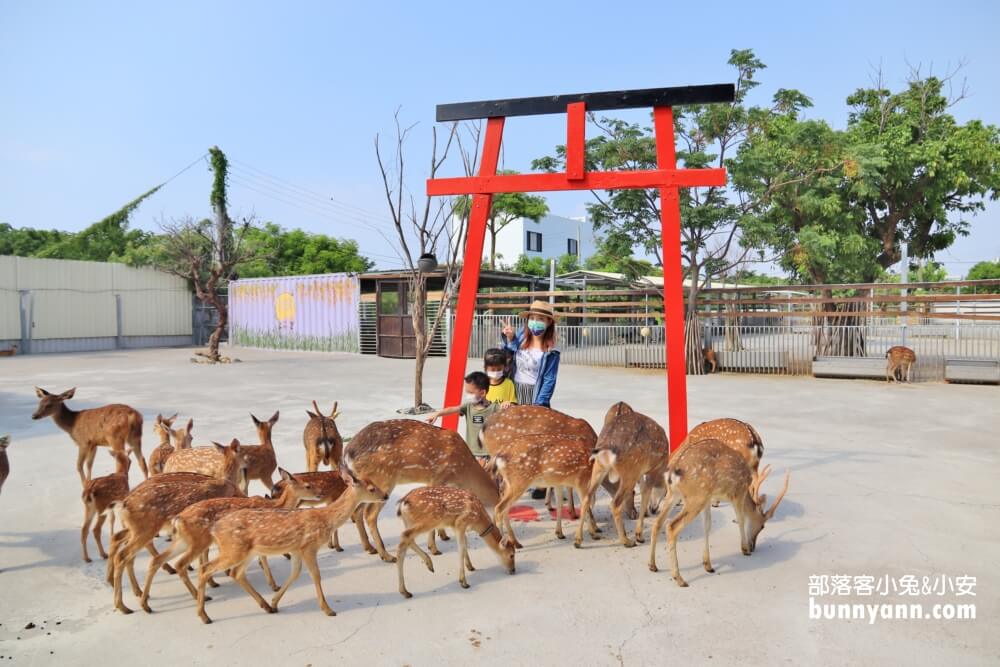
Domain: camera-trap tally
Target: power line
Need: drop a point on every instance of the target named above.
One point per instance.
(196, 161)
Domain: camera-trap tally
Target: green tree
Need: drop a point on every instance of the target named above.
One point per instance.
(614, 255)
(27, 242)
(279, 252)
(986, 271)
(506, 208)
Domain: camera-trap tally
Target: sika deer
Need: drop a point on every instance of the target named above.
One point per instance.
(431, 507)
(899, 359)
(4, 463)
(629, 447)
(261, 461)
(407, 451)
(544, 459)
(111, 426)
(193, 527)
(705, 471)
(216, 461)
(266, 532)
(158, 457)
(328, 485)
(97, 497)
(322, 440)
(146, 511)
(738, 435)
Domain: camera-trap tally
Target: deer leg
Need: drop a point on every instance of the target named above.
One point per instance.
(400, 556)
(81, 458)
(431, 544)
(309, 557)
(182, 570)
(706, 560)
(626, 488)
(123, 561)
(644, 493)
(154, 566)
(463, 551)
(239, 573)
(358, 518)
(207, 569)
(548, 498)
(677, 524)
(654, 535)
(167, 567)
(335, 542)
(559, 511)
(97, 534)
(502, 510)
(312, 465)
(597, 477)
(87, 517)
(371, 520)
(296, 569)
(91, 454)
(572, 504)
(262, 561)
(113, 549)
(135, 444)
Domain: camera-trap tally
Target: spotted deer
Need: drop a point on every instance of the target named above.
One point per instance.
(98, 496)
(221, 462)
(261, 460)
(738, 435)
(193, 528)
(244, 533)
(407, 451)
(709, 360)
(158, 457)
(322, 440)
(900, 359)
(551, 460)
(149, 509)
(113, 426)
(428, 508)
(328, 485)
(705, 471)
(629, 447)
(4, 463)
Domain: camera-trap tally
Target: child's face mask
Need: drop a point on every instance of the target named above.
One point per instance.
(469, 398)
(494, 375)
(536, 327)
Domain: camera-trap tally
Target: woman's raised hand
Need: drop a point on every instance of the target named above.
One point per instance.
(508, 331)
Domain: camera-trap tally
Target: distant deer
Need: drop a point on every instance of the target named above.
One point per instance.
(407, 451)
(147, 510)
(218, 461)
(98, 496)
(705, 471)
(261, 459)
(9, 352)
(629, 447)
(111, 426)
(430, 507)
(241, 534)
(322, 440)
(4, 463)
(900, 359)
(709, 360)
(542, 459)
(158, 457)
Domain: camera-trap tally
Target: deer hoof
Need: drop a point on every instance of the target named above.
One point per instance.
(640, 539)
(709, 569)
(146, 608)
(406, 594)
(628, 544)
(206, 620)
(87, 560)
(653, 568)
(560, 536)
(329, 612)
(464, 584)
(169, 569)
(388, 559)
(436, 552)
(125, 610)
(681, 582)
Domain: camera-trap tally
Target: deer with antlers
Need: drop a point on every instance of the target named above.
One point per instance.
(244, 533)
(630, 446)
(705, 471)
(113, 426)
(431, 507)
(407, 451)
(738, 435)
(98, 496)
(899, 359)
(218, 461)
(322, 440)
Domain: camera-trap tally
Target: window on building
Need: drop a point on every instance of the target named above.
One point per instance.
(535, 241)
(572, 247)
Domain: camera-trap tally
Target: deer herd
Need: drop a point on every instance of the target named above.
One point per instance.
(197, 497)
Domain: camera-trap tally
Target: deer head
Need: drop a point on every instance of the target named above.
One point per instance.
(367, 492)
(301, 489)
(182, 436)
(49, 404)
(264, 428)
(759, 516)
(234, 460)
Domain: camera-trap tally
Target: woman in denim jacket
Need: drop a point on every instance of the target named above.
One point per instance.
(536, 361)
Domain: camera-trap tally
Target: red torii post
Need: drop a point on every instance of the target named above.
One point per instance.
(667, 177)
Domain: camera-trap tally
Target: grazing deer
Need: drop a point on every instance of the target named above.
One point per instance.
(261, 460)
(4, 463)
(545, 459)
(899, 359)
(629, 447)
(217, 461)
(705, 471)
(322, 440)
(193, 528)
(147, 510)
(738, 435)
(407, 451)
(98, 496)
(431, 507)
(709, 361)
(111, 426)
(267, 532)
(158, 457)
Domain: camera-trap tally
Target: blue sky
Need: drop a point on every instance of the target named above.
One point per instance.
(102, 102)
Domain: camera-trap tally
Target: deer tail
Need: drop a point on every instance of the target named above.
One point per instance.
(606, 459)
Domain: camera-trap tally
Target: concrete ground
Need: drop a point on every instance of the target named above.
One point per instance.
(886, 480)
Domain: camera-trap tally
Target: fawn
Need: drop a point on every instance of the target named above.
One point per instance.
(147, 510)
(328, 485)
(705, 471)
(243, 533)
(158, 457)
(97, 497)
(546, 459)
(322, 440)
(216, 461)
(430, 507)
(709, 361)
(4, 463)
(261, 460)
(111, 426)
(899, 359)
(629, 447)
(193, 527)
(407, 451)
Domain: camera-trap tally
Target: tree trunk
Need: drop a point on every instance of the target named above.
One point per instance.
(213, 340)
(693, 340)
(493, 248)
(840, 334)
(418, 306)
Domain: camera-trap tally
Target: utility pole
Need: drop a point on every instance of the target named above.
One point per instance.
(904, 277)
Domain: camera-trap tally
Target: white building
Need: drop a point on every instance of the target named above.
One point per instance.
(550, 238)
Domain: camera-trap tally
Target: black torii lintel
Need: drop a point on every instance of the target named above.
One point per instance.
(613, 99)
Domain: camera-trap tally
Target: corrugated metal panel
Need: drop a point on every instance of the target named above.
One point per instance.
(10, 300)
(70, 299)
(318, 312)
(153, 303)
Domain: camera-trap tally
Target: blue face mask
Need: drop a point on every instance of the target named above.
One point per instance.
(537, 328)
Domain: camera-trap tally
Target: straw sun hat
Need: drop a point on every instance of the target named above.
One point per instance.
(540, 308)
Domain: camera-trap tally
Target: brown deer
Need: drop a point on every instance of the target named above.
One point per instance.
(430, 507)
(629, 447)
(544, 459)
(111, 426)
(709, 361)
(244, 533)
(738, 435)
(217, 461)
(407, 451)
(328, 485)
(9, 352)
(4, 463)
(97, 497)
(900, 359)
(705, 471)
(261, 460)
(193, 528)
(158, 457)
(322, 440)
(147, 510)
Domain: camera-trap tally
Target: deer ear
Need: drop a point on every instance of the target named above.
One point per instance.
(311, 415)
(170, 420)
(285, 475)
(256, 421)
(190, 424)
(68, 394)
(274, 419)
(159, 419)
(235, 445)
(41, 393)
(219, 447)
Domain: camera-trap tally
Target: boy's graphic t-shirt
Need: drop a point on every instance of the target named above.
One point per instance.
(503, 392)
(475, 416)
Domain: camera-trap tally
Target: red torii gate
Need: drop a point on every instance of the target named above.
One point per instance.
(667, 177)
